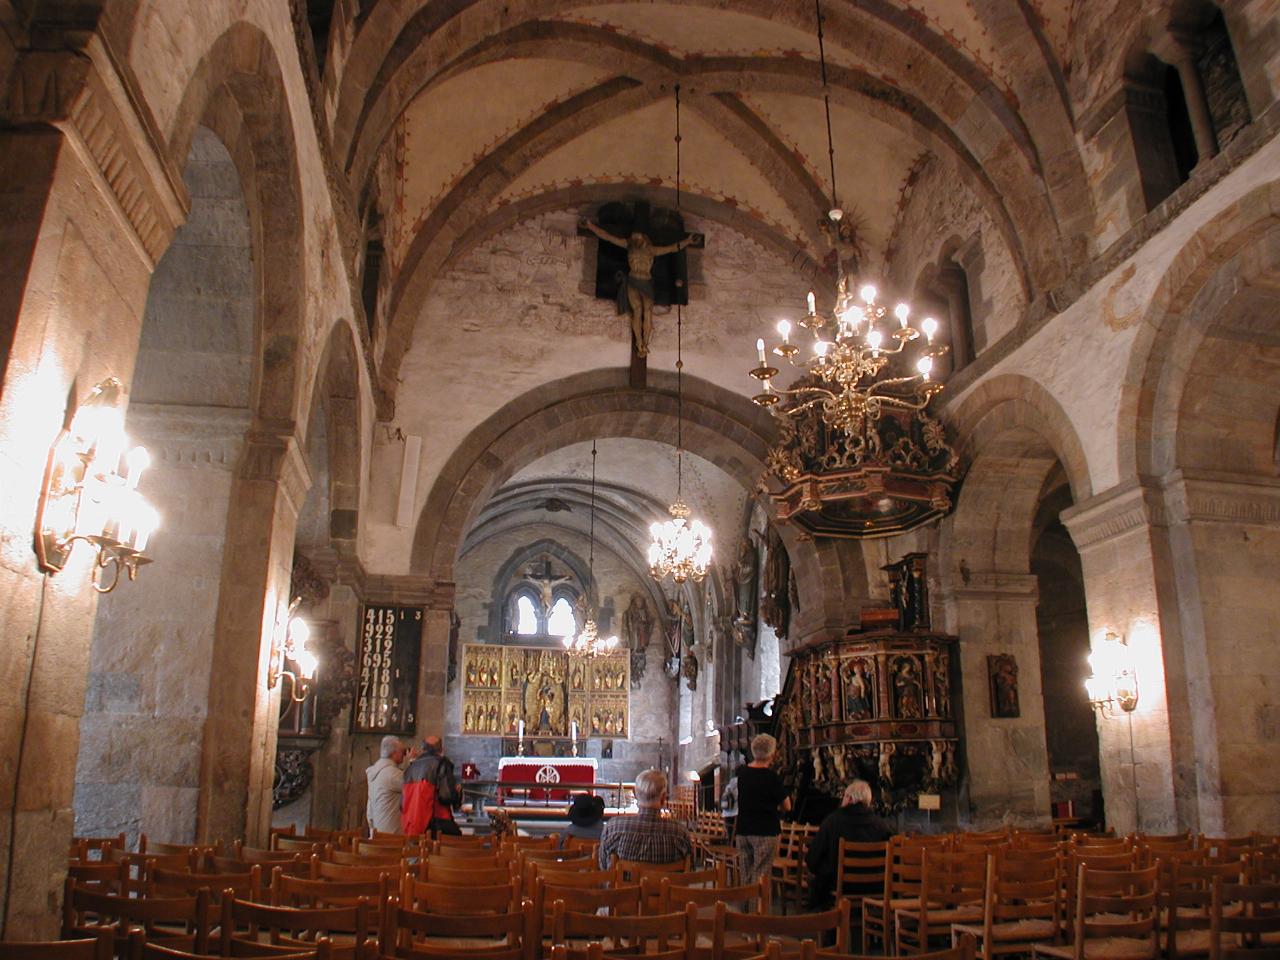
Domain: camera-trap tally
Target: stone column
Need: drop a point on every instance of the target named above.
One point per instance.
(1224, 534)
(1181, 50)
(87, 204)
(238, 757)
(1006, 758)
(1130, 590)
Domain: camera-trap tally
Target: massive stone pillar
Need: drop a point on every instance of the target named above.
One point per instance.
(1006, 758)
(239, 749)
(87, 204)
(1146, 756)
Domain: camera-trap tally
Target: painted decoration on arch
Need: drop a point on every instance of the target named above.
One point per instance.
(552, 691)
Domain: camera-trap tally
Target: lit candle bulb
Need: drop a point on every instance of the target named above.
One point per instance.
(820, 348)
(873, 341)
(137, 460)
(868, 294)
(813, 304)
(925, 366)
(930, 327)
(902, 311)
(784, 329)
(760, 350)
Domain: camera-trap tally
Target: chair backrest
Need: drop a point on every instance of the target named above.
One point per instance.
(347, 858)
(295, 844)
(558, 868)
(428, 897)
(408, 932)
(237, 948)
(260, 855)
(291, 891)
(963, 950)
(1021, 890)
(322, 870)
(105, 876)
(950, 879)
(650, 935)
(1227, 848)
(747, 898)
(633, 871)
(860, 868)
(295, 923)
(831, 924)
(84, 848)
(90, 910)
(90, 948)
(445, 871)
(180, 883)
(622, 900)
(1251, 927)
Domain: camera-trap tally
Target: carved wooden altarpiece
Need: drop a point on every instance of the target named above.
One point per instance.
(548, 689)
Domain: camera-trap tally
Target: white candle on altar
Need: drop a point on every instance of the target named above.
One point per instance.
(520, 729)
(573, 730)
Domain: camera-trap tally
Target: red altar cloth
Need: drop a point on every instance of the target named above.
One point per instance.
(568, 771)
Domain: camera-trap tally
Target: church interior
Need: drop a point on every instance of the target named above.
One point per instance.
(530, 373)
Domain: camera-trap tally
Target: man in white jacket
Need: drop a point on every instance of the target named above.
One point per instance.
(386, 783)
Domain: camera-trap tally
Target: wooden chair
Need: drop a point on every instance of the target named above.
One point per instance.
(290, 891)
(491, 936)
(303, 845)
(1252, 930)
(951, 891)
(428, 897)
(444, 871)
(751, 898)
(1116, 917)
(239, 948)
(755, 929)
(333, 855)
(103, 876)
(561, 868)
(653, 936)
(546, 890)
(99, 947)
(260, 855)
(903, 862)
(788, 872)
(621, 900)
(1022, 906)
(84, 848)
(1186, 898)
(154, 848)
(1222, 849)
(181, 922)
(633, 871)
(859, 873)
(296, 926)
(1263, 868)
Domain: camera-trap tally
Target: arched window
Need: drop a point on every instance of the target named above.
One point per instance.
(562, 622)
(526, 615)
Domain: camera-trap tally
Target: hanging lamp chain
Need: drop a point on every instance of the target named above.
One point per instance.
(591, 552)
(679, 333)
(826, 100)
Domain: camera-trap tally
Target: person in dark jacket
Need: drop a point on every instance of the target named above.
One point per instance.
(854, 821)
(430, 793)
(761, 796)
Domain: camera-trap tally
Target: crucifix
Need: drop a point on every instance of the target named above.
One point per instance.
(646, 280)
(546, 583)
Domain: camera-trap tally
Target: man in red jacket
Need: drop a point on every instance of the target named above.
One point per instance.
(430, 793)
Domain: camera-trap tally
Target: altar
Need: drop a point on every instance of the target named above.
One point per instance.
(561, 775)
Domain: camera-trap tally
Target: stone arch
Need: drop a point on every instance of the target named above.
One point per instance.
(519, 557)
(237, 90)
(1171, 331)
(720, 426)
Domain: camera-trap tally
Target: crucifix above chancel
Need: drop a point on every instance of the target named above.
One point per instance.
(653, 273)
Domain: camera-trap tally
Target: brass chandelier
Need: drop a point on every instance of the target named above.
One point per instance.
(589, 643)
(681, 546)
(858, 456)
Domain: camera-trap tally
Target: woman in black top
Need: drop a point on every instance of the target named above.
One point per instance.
(761, 795)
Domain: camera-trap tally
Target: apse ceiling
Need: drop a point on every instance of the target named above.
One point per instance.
(483, 129)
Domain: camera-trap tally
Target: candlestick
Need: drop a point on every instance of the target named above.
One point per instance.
(760, 349)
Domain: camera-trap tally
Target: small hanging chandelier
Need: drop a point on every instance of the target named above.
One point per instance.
(681, 546)
(589, 643)
(858, 454)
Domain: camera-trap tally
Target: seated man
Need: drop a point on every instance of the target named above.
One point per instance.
(645, 836)
(856, 822)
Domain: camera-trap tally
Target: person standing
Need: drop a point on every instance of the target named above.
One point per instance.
(761, 796)
(430, 793)
(854, 821)
(386, 784)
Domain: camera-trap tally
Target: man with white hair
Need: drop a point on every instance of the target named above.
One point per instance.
(386, 784)
(854, 821)
(646, 836)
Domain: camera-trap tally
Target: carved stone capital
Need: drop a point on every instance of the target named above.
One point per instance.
(276, 458)
(86, 95)
(1127, 508)
(1212, 497)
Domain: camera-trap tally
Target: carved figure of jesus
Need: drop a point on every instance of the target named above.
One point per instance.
(641, 253)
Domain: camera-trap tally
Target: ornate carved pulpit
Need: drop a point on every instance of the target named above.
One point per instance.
(878, 706)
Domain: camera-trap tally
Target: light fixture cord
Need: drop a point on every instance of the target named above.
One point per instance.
(591, 555)
(826, 100)
(679, 332)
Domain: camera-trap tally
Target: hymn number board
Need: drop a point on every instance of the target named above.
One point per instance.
(390, 652)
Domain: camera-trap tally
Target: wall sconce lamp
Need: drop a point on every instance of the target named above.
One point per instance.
(1114, 682)
(90, 492)
(294, 654)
